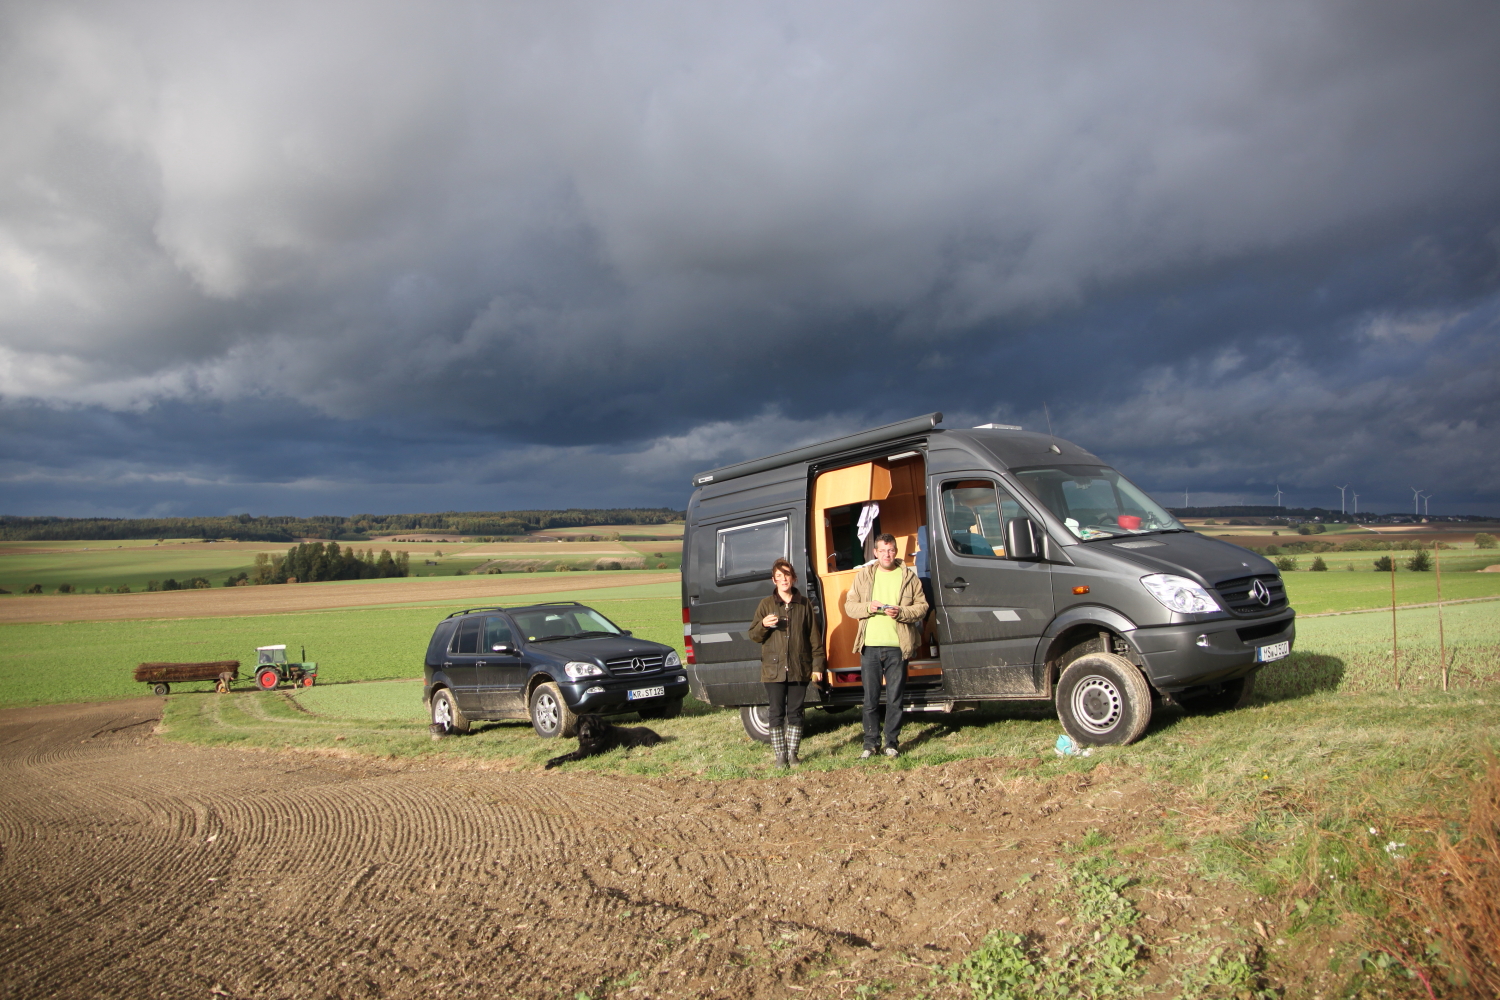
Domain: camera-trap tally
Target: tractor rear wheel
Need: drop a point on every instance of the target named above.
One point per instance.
(267, 679)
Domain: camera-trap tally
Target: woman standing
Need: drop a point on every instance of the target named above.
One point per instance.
(791, 656)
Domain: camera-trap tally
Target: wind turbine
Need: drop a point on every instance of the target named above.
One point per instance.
(1416, 496)
(1184, 498)
(1425, 508)
(1341, 497)
(1278, 494)
(1356, 503)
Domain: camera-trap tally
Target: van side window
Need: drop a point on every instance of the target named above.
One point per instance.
(975, 512)
(746, 551)
(467, 639)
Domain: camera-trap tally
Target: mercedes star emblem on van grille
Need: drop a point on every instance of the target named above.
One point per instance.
(1261, 592)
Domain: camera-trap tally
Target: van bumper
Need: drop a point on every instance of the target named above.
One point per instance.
(1183, 656)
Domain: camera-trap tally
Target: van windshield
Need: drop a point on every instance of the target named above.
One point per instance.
(1095, 501)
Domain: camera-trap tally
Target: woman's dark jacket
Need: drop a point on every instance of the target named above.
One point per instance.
(794, 651)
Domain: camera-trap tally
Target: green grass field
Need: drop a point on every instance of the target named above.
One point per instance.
(1316, 593)
(90, 565)
(92, 661)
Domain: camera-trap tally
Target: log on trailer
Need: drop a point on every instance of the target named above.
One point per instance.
(176, 672)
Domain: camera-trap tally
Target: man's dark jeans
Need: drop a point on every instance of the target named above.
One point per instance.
(875, 662)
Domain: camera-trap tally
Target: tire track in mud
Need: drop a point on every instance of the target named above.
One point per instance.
(131, 866)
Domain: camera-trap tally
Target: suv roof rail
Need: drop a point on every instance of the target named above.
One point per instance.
(537, 604)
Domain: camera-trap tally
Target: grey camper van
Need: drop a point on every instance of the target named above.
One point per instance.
(1050, 576)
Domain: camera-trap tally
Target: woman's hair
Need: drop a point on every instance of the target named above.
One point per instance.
(782, 566)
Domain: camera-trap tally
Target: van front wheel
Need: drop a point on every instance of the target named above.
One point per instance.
(1103, 699)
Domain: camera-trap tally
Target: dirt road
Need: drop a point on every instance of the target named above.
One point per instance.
(222, 601)
(136, 867)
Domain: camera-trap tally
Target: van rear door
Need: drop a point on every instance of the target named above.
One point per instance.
(992, 610)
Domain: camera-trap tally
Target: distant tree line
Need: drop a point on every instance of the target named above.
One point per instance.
(245, 528)
(311, 562)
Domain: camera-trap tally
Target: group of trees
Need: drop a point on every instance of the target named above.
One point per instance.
(311, 562)
(243, 527)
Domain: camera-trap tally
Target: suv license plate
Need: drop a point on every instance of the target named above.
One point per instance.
(658, 692)
(1275, 651)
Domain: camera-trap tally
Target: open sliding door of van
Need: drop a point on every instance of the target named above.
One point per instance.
(851, 505)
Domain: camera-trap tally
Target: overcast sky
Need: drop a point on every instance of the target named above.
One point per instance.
(376, 257)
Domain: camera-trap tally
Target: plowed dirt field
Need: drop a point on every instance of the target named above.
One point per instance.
(229, 601)
(136, 867)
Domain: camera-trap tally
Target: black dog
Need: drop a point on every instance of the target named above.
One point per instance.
(595, 736)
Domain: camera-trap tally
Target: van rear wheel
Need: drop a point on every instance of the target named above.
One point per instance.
(757, 722)
(1102, 699)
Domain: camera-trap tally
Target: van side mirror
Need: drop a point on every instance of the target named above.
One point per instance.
(1020, 539)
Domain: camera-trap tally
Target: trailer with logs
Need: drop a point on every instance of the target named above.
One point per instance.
(271, 671)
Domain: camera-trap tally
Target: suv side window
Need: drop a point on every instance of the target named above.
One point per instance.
(496, 631)
(439, 644)
(467, 639)
(975, 512)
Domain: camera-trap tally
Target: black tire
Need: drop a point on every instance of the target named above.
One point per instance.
(446, 713)
(267, 679)
(550, 715)
(757, 722)
(1230, 696)
(1102, 699)
(667, 710)
(161, 690)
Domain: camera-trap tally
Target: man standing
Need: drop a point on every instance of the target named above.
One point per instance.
(887, 598)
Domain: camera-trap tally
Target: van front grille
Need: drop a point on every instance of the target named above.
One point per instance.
(1239, 595)
(636, 664)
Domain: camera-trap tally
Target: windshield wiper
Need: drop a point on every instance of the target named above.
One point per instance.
(585, 635)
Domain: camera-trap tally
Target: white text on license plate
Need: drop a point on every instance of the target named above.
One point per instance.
(1275, 651)
(658, 692)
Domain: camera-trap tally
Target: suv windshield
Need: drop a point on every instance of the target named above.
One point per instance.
(1095, 501)
(562, 623)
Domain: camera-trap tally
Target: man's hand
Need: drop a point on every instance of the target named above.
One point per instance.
(891, 611)
(817, 676)
(769, 621)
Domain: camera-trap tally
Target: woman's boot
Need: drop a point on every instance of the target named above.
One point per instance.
(793, 742)
(778, 744)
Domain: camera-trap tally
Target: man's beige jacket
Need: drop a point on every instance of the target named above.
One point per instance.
(913, 605)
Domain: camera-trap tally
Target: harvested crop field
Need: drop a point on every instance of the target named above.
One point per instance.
(270, 600)
(135, 867)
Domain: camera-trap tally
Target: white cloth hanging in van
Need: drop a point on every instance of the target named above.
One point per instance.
(867, 518)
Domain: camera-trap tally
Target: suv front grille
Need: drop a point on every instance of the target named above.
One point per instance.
(636, 664)
(1237, 599)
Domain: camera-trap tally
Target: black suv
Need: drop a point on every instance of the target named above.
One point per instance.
(549, 663)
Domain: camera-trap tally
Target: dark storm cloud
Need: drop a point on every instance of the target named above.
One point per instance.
(364, 256)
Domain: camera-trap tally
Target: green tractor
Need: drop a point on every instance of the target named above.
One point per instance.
(272, 670)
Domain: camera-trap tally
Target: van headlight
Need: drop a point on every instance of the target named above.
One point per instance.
(578, 671)
(672, 660)
(1178, 593)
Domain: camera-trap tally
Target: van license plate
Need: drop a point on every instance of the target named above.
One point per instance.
(1275, 651)
(658, 692)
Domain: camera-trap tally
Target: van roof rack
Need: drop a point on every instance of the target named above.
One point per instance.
(512, 607)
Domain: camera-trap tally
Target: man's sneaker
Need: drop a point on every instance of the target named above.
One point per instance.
(892, 752)
(867, 754)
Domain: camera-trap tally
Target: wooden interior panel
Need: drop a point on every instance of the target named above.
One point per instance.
(900, 490)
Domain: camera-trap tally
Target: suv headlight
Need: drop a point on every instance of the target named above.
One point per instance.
(1178, 593)
(672, 660)
(578, 671)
